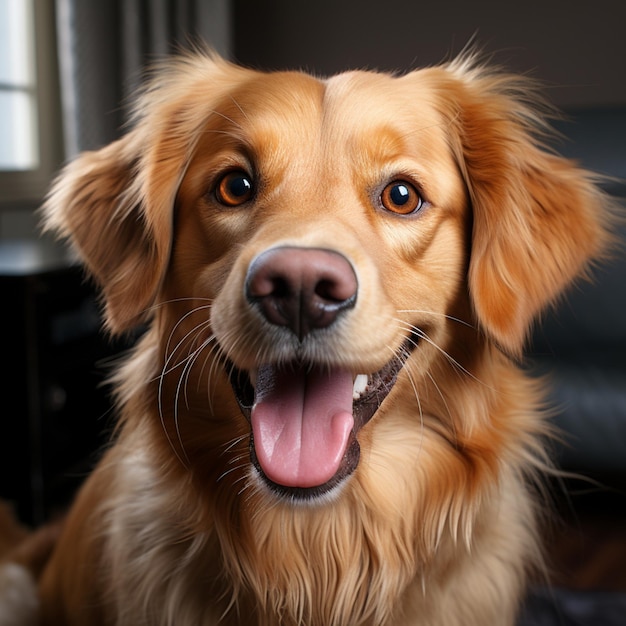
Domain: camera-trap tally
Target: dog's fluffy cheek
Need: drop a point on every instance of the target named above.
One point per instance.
(202, 256)
(429, 279)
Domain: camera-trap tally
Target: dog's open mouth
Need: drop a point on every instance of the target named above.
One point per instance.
(305, 419)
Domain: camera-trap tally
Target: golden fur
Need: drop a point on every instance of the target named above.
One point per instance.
(436, 525)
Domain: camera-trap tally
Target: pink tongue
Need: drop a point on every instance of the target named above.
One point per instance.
(301, 421)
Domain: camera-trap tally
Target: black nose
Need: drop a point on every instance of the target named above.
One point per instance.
(301, 288)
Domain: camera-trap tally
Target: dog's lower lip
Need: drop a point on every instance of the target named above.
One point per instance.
(367, 399)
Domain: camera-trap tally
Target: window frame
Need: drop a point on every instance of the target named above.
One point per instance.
(18, 187)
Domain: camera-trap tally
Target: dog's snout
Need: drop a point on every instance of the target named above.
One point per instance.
(301, 288)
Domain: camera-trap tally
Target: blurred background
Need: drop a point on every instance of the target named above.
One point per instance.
(67, 71)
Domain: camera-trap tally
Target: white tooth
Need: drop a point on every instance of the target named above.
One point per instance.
(360, 384)
(252, 374)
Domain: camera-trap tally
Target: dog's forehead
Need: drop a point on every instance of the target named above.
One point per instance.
(346, 110)
(274, 98)
(379, 112)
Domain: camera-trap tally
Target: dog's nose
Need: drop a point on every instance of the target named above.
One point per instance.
(302, 288)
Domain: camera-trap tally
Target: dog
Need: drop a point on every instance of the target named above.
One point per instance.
(325, 421)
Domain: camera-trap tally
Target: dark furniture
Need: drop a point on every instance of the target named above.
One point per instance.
(54, 410)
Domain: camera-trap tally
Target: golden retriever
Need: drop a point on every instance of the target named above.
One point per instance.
(325, 422)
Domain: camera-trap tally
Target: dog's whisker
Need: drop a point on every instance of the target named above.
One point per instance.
(253, 343)
(421, 129)
(184, 380)
(244, 456)
(186, 372)
(214, 355)
(227, 118)
(239, 463)
(170, 353)
(248, 491)
(177, 421)
(419, 405)
(148, 311)
(165, 430)
(236, 103)
(188, 339)
(451, 318)
(421, 334)
(193, 356)
(235, 442)
(225, 133)
(163, 303)
(225, 473)
(214, 371)
(199, 340)
(161, 412)
(452, 420)
(167, 369)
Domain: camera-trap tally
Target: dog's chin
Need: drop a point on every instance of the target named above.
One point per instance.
(368, 392)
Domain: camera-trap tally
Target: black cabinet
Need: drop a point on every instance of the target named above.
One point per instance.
(55, 411)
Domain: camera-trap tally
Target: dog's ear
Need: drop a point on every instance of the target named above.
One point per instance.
(99, 203)
(116, 205)
(538, 219)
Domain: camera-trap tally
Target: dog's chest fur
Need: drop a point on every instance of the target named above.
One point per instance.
(375, 566)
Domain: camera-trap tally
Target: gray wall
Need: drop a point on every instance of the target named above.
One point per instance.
(577, 46)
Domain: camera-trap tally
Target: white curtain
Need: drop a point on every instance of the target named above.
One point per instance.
(105, 46)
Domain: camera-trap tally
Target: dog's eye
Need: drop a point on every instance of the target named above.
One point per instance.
(401, 197)
(234, 188)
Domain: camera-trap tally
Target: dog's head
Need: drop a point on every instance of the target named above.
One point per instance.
(318, 241)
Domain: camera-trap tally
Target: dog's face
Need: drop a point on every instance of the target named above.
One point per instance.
(330, 240)
(327, 248)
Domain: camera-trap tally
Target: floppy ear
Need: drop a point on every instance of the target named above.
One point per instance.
(538, 220)
(99, 204)
(116, 204)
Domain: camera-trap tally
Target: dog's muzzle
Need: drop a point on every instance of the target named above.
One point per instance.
(306, 416)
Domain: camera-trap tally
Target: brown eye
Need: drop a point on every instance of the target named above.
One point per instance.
(234, 188)
(401, 197)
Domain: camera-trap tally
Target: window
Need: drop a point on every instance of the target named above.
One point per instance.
(29, 111)
(18, 119)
